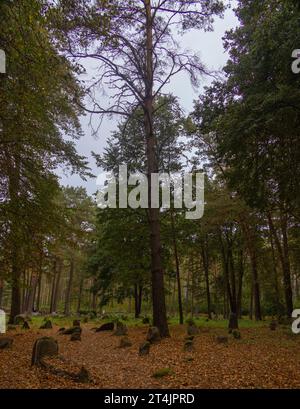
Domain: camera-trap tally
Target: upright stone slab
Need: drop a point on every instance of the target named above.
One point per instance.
(43, 347)
(47, 325)
(153, 335)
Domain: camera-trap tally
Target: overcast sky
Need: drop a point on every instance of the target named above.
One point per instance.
(210, 47)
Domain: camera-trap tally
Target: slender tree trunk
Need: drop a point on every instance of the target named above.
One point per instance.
(158, 292)
(69, 289)
(180, 308)
(15, 235)
(276, 286)
(136, 301)
(205, 262)
(283, 253)
(80, 294)
(240, 284)
(250, 239)
(251, 302)
(31, 294)
(229, 276)
(138, 294)
(57, 285)
(53, 286)
(38, 299)
(140, 299)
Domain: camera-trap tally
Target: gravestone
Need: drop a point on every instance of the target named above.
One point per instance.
(144, 348)
(46, 325)
(43, 347)
(153, 335)
(26, 325)
(109, 326)
(76, 336)
(72, 330)
(6, 343)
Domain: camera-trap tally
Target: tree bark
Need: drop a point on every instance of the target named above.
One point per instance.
(69, 288)
(250, 240)
(180, 308)
(57, 285)
(53, 286)
(158, 293)
(205, 262)
(80, 295)
(240, 284)
(283, 252)
(31, 293)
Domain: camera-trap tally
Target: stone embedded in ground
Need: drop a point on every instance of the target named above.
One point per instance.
(192, 329)
(76, 336)
(222, 340)
(84, 376)
(121, 329)
(25, 325)
(43, 347)
(188, 346)
(76, 323)
(109, 326)
(273, 325)
(6, 343)
(144, 348)
(153, 335)
(125, 342)
(236, 334)
(47, 325)
(188, 359)
(72, 330)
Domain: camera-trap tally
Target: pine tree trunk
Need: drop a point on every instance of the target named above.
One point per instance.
(205, 262)
(240, 284)
(38, 299)
(69, 289)
(31, 294)
(53, 286)
(57, 285)
(283, 252)
(80, 295)
(180, 308)
(158, 292)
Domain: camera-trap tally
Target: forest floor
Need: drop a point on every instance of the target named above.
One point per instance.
(260, 359)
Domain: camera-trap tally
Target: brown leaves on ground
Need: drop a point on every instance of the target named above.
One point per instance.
(261, 359)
